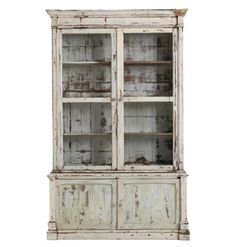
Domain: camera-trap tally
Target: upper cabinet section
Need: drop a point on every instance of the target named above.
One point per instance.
(116, 18)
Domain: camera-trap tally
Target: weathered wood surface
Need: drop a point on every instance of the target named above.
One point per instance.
(120, 104)
(148, 149)
(90, 203)
(87, 119)
(86, 205)
(114, 13)
(85, 72)
(119, 234)
(86, 47)
(147, 72)
(148, 46)
(148, 117)
(112, 22)
(120, 164)
(149, 204)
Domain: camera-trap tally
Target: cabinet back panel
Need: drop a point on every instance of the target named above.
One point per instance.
(148, 80)
(148, 117)
(87, 134)
(86, 80)
(87, 150)
(86, 47)
(87, 118)
(148, 150)
(148, 47)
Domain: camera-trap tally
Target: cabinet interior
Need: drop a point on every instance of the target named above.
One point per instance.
(148, 133)
(148, 64)
(86, 73)
(86, 61)
(87, 134)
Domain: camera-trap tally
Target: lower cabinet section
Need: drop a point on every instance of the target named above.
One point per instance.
(116, 206)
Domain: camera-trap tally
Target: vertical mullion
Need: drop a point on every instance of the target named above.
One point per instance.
(180, 92)
(113, 99)
(120, 201)
(54, 96)
(175, 98)
(58, 101)
(120, 100)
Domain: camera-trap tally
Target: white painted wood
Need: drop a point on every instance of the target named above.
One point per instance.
(54, 97)
(175, 98)
(114, 13)
(116, 21)
(59, 113)
(122, 234)
(86, 100)
(148, 99)
(147, 30)
(117, 125)
(183, 200)
(149, 204)
(180, 93)
(116, 174)
(114, 98)
(86, 64)
(86, 31)
(151, 167)
(86, 204)
(89, 167)
(120, 103)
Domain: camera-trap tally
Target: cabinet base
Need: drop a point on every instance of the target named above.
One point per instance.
(118, 234)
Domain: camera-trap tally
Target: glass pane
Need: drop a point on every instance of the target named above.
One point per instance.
(148, 133)
(87, 151)
(87, 134)
(86, 67)
(148, 64)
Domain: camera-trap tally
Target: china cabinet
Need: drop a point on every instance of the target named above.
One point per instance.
(117, 125)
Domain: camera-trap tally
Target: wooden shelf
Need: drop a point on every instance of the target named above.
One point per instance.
(146, 62)
(148, 99)
(86, 100)
(142, 165)
(88, 63)
(148, 133)
(88, 134)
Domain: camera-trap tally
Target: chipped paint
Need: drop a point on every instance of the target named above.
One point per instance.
(105, 150)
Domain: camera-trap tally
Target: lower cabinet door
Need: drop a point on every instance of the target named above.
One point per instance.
(148, 203)
(86, 204)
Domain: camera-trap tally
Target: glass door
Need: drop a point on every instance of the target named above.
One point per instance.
(146, 102)
(88, 87)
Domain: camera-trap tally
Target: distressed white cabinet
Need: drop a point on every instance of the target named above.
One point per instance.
(117, 125)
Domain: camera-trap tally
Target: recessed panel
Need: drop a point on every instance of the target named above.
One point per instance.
(86, 205)
(149, 204)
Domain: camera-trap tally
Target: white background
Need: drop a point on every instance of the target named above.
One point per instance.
(25, 119)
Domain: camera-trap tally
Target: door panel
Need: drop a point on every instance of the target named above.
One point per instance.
(148, 203)
(86, 204)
